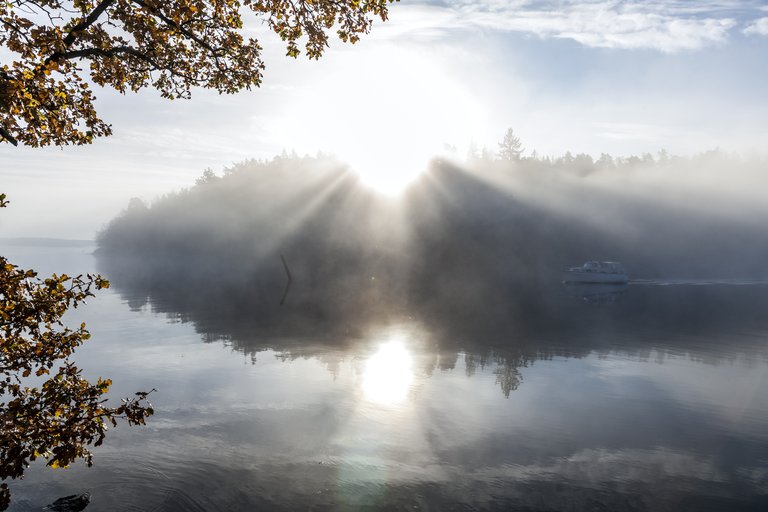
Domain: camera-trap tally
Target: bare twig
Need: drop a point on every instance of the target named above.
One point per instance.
(287, 271)
(290, 280)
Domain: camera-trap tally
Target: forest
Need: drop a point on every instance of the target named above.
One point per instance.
(477, 225)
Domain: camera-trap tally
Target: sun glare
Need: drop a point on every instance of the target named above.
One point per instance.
(388, 374)
(390, 175)
(386, 112)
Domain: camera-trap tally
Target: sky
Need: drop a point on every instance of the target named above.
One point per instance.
(619, 77)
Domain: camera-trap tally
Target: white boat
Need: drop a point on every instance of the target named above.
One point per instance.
(597, 272)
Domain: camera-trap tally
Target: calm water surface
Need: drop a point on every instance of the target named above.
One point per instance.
(653, 398)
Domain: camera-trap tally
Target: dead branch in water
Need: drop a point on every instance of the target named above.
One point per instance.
(290, 280)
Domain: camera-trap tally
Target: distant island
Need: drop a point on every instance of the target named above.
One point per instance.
(45, 242)
(484, 223)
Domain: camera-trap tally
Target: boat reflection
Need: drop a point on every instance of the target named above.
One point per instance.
(595, 293)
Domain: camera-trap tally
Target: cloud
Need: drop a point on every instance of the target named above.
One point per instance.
(668, 26)
(759, 27)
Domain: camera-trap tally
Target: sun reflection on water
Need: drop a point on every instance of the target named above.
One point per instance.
(388, 374)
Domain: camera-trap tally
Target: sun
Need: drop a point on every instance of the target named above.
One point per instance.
(390, 174)
(386, 112)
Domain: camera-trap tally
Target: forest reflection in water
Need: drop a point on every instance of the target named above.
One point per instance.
(535, 398)
(510, 327)
(652, 397)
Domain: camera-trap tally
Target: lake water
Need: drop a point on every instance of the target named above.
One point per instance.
(654, 397)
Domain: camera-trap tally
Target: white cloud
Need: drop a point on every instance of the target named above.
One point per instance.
(665, 25)
(759, 27)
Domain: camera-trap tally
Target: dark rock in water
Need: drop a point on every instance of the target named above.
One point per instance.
(73, 503)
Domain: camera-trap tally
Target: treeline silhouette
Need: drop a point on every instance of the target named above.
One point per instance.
(472, 252)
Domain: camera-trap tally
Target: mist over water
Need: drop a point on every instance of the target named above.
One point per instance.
(470, 253)
(459, 232)
(423, 354)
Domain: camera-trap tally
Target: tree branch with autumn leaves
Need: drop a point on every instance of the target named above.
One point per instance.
(61, 48)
